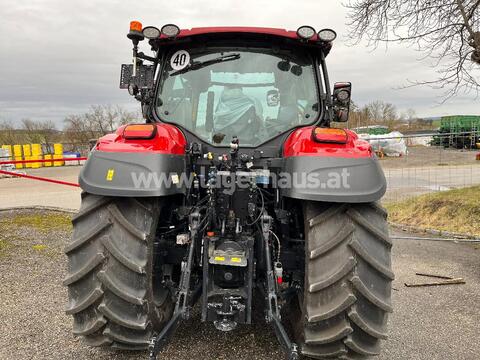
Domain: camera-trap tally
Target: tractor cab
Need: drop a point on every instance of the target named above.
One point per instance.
(253, 94)
(252, 84)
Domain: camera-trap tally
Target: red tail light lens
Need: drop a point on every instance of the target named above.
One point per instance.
(329, 135)
(139, 131)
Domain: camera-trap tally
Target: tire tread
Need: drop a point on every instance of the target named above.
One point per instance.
(347, 285)
(110, 294)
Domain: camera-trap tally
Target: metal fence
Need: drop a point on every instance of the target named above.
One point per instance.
(425, 168)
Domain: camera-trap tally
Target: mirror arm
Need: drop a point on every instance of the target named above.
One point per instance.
(328, 92)
(141, 55)
(134, 55)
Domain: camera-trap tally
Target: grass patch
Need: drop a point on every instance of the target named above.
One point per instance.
(43, 222)
(454, 211)
(39, 247)
(33, 232)
(3, 246)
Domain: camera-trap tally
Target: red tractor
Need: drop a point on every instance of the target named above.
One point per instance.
(235, 187)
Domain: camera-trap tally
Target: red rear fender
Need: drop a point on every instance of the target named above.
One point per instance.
(168, 139)
(333, 172)
(301, 143)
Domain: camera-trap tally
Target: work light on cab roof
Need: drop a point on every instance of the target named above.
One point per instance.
(170, 30)
(327, 35)
(151, 32)
(305, 32)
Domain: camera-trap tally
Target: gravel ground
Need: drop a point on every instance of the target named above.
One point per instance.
(428, 323)
(420, 156)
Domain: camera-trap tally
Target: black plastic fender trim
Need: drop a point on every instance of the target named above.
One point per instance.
(334, 179)
(133, 174)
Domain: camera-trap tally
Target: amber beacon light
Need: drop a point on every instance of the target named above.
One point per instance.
(136, 26)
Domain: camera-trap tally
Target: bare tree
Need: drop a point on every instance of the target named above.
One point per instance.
(409, 116)
(76, 130)
(380, 112)
(446, 30)
(358, 116)
(105, 119)
(8, 134)
(38, 132)
(374, 113)
(126, 117)
(99, 121)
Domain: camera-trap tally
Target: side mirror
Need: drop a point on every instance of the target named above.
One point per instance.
(341, 101)
(273, 98)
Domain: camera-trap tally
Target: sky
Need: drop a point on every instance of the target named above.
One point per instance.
(60, 57)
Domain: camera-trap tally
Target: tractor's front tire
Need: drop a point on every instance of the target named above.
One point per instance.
(347, 294)
(111, 291)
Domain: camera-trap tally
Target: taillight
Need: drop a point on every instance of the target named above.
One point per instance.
(330, 135)
(139, 131)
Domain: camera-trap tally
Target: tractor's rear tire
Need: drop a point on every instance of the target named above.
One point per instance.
(112, 296)
(348, 276)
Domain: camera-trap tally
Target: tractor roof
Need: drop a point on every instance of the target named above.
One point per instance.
(312, 40)
(239, 29)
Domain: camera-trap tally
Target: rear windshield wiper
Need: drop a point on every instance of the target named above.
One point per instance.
(201, 64)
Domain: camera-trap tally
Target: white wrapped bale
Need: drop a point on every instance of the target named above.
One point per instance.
(391, 144)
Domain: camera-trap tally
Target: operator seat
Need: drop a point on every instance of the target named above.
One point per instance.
(236, 115)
